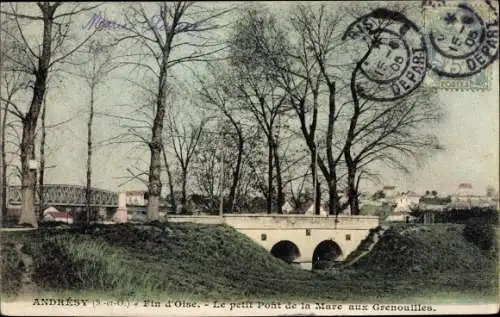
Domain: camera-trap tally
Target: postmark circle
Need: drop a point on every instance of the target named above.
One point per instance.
(462, 39)
(389, 58)
(397, 57)
(458, 34)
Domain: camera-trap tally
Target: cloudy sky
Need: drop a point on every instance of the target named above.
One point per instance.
(469, 133)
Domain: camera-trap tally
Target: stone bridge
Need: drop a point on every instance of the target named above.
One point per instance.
(300, 239)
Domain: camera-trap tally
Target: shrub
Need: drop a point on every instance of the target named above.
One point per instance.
(481, 234)
(12, 269)
(67, 262)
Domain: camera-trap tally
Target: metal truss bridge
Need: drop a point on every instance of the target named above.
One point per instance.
(66, 195)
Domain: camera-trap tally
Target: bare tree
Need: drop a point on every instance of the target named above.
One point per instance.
(41, 176)
(313, 70)
(38, 62)
(207, 165)
(218, 95)
(99, 63)
(184, 138)
(177, 28)
(12, 84)
(386, 131)
(44, 151)
(307, 72)
(256, 87)
(135, 129)
(390, 133)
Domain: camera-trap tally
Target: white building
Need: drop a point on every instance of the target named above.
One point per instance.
(52, 214)
(465, 198)
(389, 191)
(308, 209)
(135, 198)
(465, 190)
(406, 201)
(288, 208)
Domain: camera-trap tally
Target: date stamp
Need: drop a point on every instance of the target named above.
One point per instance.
(397, 60)
(462, 41)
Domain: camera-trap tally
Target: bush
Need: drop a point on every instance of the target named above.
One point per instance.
(68, 262)
(481, 234)
(12, 269)
(432, 249)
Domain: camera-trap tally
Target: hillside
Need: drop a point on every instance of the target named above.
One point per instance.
(437, 248)
(215, 262)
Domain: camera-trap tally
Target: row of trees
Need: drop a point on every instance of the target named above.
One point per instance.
(274, 110)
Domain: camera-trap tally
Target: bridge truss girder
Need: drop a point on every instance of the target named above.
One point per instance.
(67, 195)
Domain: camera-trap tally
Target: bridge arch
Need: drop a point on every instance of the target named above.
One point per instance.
(286, 250)
(325, 252)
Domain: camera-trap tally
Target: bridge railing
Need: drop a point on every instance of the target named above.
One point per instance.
(263, 221)
(68, 195)
(254, 221)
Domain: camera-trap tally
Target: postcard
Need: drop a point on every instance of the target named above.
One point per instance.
(249, 158)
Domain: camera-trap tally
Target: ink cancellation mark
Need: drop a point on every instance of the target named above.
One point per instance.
(396, 65)
(462, 42)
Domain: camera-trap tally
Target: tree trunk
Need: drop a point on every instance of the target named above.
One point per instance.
(237, 168)
(88, 189)
(183, 190)
(314, 151)
(334, 205)
(170, 180)
(28, 177)
(352, 194)
(279, 182)
(41, 177)
(269, 177)
(155, 146)
(317, 203)
(317, 199)
(3, 162)
(155, 185)
(352, 190)
(236, 176)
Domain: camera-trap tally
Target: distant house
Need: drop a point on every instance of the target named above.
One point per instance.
(288, 207)
(135, 198)
(433, 207)
(370, 202)
(52, 214)
(468, 202)
(465, 190)
(400, 217)
(406, 201)
(466, 199)
(389, 191)
(308, 208)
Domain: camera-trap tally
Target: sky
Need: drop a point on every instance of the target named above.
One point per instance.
(469, 134)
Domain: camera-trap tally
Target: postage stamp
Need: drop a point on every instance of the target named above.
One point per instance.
(258, 159)
(462, 43)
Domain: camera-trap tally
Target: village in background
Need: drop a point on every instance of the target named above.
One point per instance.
(389, 203)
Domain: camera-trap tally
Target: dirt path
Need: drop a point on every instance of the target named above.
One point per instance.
(376, 239)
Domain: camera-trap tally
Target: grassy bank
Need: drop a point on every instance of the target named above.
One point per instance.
(216, 262)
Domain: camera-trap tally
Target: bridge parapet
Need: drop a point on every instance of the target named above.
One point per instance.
(196, 219)
(265, 221)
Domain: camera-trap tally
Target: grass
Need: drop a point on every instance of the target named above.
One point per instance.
(205, 262)
(430, 249)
